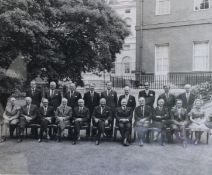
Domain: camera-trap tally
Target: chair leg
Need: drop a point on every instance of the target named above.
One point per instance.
(192, 135)
(115, 134)
(208, 137)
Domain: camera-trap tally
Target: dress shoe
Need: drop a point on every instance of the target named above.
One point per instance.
(58, 139)
(184, 144)
(3, 139)
(162, 144)
(78, 138)
(19, 140)
(127, 144)
(97, 142)
(39, 140)
(196, 142)
(48, 137)
(74, 143)
(141, 144)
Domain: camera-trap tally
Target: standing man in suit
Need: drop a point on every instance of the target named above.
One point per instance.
(63, 117)
(169, 99)
(91, 99)
(34, 93)
(187, 98)
(130, 98)
(73, 96)
(81, 117)
(53, 95)
(111, 101)
(46, 116)
(124, 116)
(101, 118)
(148, 94)
(28, 115)
(143, 116)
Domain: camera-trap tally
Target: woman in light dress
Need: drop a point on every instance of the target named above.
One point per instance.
(198, 119)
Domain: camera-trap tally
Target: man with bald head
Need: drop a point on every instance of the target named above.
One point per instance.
(47, 117)
(81, 117)
(130, 98)
(101, 118)
(53, 95)
(28, 115)
(73, 96)
(124, 116)
(187, 98)
(63, 117)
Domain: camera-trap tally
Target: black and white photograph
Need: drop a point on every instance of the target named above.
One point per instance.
(105, 87)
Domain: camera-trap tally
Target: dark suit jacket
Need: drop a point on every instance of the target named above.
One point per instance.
(32, 112)
(150, 97)
(147, 113)
(164, 113)
(55, 100)
(73, 99)
(182, 116)
(61, 113)
(187, 104)
(89, 103)
(36, 97)
(124, 114)
(130, 103)
(49, 112)
(170, 102)
(106, 113)
(111, 99)
(84, 114)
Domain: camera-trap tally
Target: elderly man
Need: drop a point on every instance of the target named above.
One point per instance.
(148, 94)
(91, 99)
(124, 116)
(130, 98)
(187, 98)
(63, 116)
(28, 115)
(111, 101)
(34, 93)
(169, 98)
(47, 117)
(73, 96)
(143, 115)
(81, 117)
(53, 95)
(101, 118)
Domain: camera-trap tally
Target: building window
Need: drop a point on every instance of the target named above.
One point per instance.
(162, 59)
(126, 46)
(126, 65)
(201, 4)
(201, 56)
(162, 7)
(128, 22)
(127, 11)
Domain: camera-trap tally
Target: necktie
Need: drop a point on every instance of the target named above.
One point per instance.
(64, 110)
(142, 110)
(28, 107)
(167, 96)
(33, 91)
(12, 108)
(45, 110)
(92, 96)
(101, 110)
(187, 96)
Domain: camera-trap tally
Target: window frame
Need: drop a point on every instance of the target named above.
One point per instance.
(157, 2)
(194, 5)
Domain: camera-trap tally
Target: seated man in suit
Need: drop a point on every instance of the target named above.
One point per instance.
(34, 93)
(80, 117)
(187, 98)
(148, 94)
(130, 98)
(91, 99)
(179, 117)
(143, 116)
(63, 117)
(28, 115)
(47, 117)
(124, 116)
(160, 120)
(101, 118)
(53, 95)
(169, 98)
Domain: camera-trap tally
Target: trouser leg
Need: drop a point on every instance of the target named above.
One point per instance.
(44, 126)
(76, 130)
(101, 128)
(141, 132)
(127, 130)
(122, 129)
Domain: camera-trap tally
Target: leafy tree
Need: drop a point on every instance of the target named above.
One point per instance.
(66, 37)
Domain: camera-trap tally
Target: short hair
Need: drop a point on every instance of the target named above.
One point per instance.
(81, 100)
(123, 99)
(53, 83)
(28, 98)
(73, 84)
(166, 85)
(12, 98)
(126, 87)
(187, 85)
(33, 81)
(146, 82)
(108, 82)
(161, 99)
(45, 100)
(141, 98)
(92, 84)
(178, 99)
(102, 99)
(64, 99)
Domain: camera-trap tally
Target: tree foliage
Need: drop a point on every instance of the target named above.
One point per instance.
(66, 37)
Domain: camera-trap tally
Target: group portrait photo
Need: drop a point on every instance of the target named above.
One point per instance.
(105, 87)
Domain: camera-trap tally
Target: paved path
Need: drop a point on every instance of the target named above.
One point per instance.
(109, 158)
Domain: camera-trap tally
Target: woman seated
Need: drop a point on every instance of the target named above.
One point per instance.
(160, 119)
(198, 119)
(10, 118)
(180, 121)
